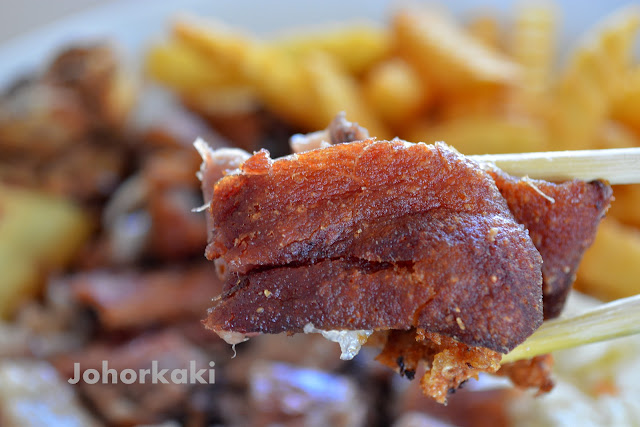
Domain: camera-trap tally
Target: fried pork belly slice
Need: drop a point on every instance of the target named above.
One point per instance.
(371, 236)
(562, 220)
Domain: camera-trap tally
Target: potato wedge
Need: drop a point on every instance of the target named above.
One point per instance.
(38, 234)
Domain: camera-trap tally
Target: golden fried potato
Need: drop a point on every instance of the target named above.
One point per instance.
(332, 90)
(215, 41)
(626, 107)
(273, 74)
(38, 234)
(533, 45)
(356, 47)
(593, 80)
(222, 100)
(395, 92)
(486, 29)
(183, 68)
(616, 135)
(484, 134)
(626, 207)
(448, 57)
(611, 266)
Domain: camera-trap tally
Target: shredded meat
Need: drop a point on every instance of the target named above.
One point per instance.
(339, 130)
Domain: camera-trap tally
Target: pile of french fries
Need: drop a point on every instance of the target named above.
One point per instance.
(481, 86)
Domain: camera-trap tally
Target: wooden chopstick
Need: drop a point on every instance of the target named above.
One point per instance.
(616, 319)
(616, 165)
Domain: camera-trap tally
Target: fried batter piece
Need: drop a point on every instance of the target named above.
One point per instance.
(372, 235)
(530, 373)
(450, 362)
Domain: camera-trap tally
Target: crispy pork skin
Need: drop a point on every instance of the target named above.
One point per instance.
(372, 235)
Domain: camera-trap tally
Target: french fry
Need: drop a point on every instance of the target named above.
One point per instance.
(38, 233)
(481, 101)
(215, 41)
(616, 135)
(626, 107)
(222, 100)
(611, 266)
(333, 90)
(533, 46)
(283, 86)
(274, 74)
(448, 57)
(182, 68)
(395, 92)
(356, 47)
(625, 207)
(484, 134)
(592, 81)
(486, 29)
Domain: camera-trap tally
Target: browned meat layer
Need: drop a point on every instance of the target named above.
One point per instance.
(562, 218)
(561, 229)
(450, 362)
(373, 235)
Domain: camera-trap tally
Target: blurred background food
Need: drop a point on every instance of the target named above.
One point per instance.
(101, 254)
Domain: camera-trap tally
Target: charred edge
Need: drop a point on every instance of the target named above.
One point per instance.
(409, 373)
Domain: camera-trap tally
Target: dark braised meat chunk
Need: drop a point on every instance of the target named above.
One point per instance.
(373, 235)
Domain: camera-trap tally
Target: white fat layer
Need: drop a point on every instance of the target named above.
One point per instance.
(233, 338)
(350, 341)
